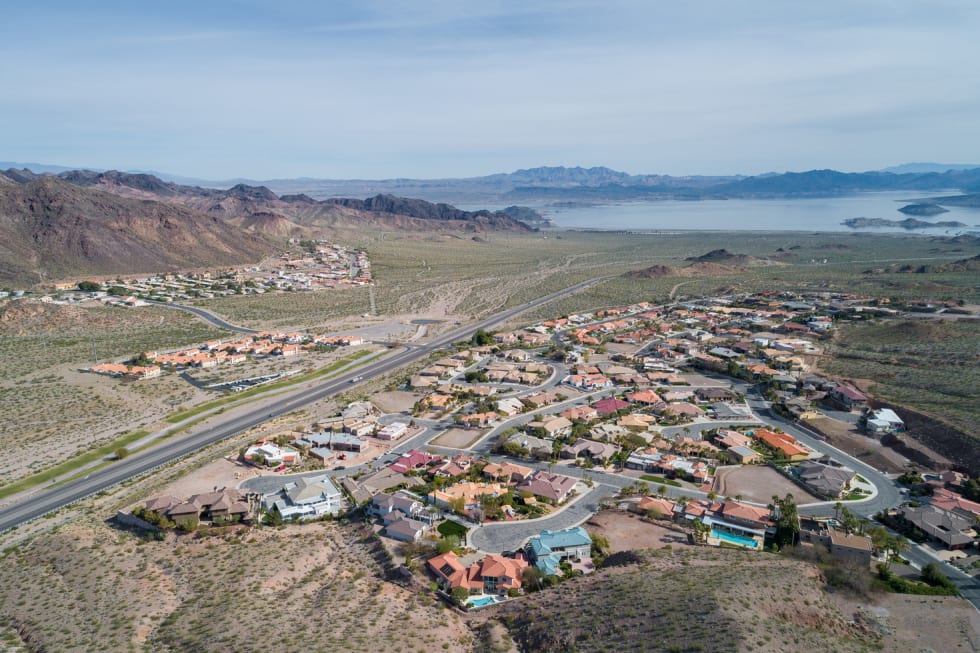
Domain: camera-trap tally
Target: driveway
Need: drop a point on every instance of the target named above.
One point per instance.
(509, 536)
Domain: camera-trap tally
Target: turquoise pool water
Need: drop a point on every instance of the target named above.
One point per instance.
(735, 539)
(481, 602)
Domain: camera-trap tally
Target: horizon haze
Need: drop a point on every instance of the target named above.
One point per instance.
(372, 91)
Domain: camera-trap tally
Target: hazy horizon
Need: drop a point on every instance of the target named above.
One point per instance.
(373, 90)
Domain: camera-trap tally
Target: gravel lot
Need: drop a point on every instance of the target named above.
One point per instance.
(757, 484)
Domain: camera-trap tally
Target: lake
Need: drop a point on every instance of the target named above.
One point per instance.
(824, 214)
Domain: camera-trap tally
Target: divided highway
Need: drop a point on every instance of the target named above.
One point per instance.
(53, 498)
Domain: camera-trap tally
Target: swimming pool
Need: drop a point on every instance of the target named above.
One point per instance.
(738, 540)
(481, 602)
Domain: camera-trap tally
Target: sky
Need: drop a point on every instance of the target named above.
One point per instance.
(381, 89)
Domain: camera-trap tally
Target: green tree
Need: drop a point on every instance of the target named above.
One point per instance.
(700, 531)
(89, 286)
(531, 579)
(600, 546)
(971, 489)
(481, 339)
(788, 522)
(459, 595)
(447, 544)
(121, 452)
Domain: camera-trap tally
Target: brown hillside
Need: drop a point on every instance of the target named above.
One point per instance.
(652, 272)
(52, 229)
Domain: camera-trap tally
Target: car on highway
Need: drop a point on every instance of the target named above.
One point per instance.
(356, 379)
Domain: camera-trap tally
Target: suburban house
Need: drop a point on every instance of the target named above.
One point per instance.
(884, 420)
(271, 454)
(459, 465)
(506, 472)
(713, 394)
(129, 371)
(404, 529)
(782, 443)
(552, 426)
(585, 413)
(536, 446)
(727, 438)
(476, 419)
(682, 409)
(383, 505)
(951, 529)
(953, 502)
(392, 431)
(644, 397)
(636, 421)
(745, 455)
(328, 440)
(737, 524)
(598, 452)
(665, 508)
(547, 550)
(413, 460)
(826, 480)
(510, 406)
(306, 498)
(847, 547)
(610, 406)
(595, 381)
(553, 488)
(469, 492)
(652, 460)
(847, 397)
(493, 574)
(225, 505)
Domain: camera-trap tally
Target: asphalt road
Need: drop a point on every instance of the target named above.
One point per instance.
(205, 315)
(53, 498)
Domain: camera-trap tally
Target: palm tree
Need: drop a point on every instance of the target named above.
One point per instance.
(899, 545)
(837, 509)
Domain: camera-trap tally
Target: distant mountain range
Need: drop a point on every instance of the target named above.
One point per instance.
(78, 222)
(556, 185)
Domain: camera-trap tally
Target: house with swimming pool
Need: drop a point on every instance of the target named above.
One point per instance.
(492, 575)
(732, 523)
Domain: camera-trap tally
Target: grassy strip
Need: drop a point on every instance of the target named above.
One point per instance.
(69, 466)
(292, 380)
(449, 527)
(661, 480)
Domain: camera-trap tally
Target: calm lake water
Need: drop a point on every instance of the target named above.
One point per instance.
(824, 214)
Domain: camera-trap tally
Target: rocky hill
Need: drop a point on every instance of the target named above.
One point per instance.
(690, 600)
(414, 208)
(923, 209)
(51, 228)
(82, 222)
